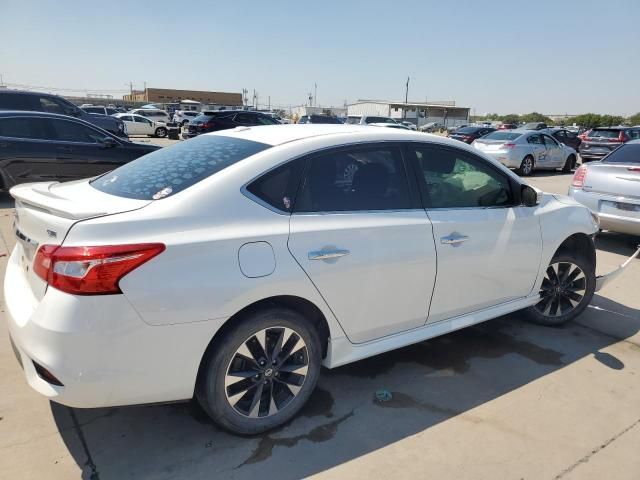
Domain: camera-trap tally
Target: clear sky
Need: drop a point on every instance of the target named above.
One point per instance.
(494, 56)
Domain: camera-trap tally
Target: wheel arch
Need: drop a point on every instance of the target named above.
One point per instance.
(581, 244)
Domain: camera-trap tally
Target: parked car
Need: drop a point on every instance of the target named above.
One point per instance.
(600, 141)
(224, 119)
(409, 125)
(200, 266)
(397, 126)
(469, 134)
(507, 126)
(455, 128)
(565, 136)
(527, 151)
(139, 125)
(534, 126)
(431, 127)
(99, 109)
(38, 146)
(182, 117)
(317, 118)
(610, 188)
(367, 119)
(44, 102)
(153, 114)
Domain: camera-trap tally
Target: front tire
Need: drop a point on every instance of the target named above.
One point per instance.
(161, 132)
(526, 167)
(570, 164)
(567, 289)
(261, 372)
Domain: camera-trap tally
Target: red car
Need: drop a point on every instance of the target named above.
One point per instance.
(507, 126)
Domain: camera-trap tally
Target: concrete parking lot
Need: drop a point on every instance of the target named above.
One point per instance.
(505, 399)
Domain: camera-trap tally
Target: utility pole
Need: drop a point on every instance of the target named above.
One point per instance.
(310, 99)
(406, 100)
(315, 94)
(244, 97)
(269, 102)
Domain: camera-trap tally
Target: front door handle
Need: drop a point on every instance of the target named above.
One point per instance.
(454, 239)
(327, 254)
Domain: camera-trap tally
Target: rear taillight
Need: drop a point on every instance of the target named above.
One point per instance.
(91, 270)
(634, 169)
(621, 137)
(208, 125)
(509, 145)
(579, 176)
(584, 135)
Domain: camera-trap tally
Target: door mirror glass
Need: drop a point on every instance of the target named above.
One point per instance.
(529, 196)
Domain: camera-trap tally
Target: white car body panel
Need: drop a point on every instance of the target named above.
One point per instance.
(173, 305)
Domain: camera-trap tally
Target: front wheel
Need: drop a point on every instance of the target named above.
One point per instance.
(567, 288)
(261, 372)
(161, 132)
(570, 164)
(526, 167)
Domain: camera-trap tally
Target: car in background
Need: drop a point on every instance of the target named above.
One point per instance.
(139, 125)
(319, 118)
(182, 117)
(367, 119)
(454, 128)
(154, 114)
(397, 126)
(212, 121)
(526, 151)
(233, 267)
(600, 141)
(507, 126)
(45, 102)
(99, 109)
(431, 127)
(409, 125)
(565, 136)
(610, 188)
(38, 146)
(534, 126)
(469, 134)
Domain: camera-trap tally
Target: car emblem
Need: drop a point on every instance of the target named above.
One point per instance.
(268, 372)
(52, 234)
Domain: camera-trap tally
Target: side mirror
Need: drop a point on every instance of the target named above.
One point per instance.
(108, 142)
(529, 196)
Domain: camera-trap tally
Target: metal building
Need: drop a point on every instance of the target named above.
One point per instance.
(420, 113)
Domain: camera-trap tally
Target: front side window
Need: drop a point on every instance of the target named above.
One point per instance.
(32, 128)
(550, 142)
(170, 170)
(66, 131)
(279, 186)
(146, 121)
(455, 179)
(355, 180)
(54, 105)
(126, 118)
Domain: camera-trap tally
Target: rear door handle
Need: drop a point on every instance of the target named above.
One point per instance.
(327, 254)
(454, 239)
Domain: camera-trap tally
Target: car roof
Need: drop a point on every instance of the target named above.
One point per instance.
(27, 113)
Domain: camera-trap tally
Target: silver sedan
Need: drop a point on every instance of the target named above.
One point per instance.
(527, 150)
(610, 188)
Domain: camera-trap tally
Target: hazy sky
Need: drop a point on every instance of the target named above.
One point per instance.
(494, 56)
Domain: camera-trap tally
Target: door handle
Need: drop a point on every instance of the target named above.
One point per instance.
(327, 254)
(454, 239)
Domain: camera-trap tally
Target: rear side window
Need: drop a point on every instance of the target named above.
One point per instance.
(172, 169)
(66, 131)
(22, 128)
(355, 180)
(15, 101)
(628, 153)
(278, 187)
(535, 140)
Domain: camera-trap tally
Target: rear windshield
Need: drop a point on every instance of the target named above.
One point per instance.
(501, 136)
(324, 119)
(610, 133)
(380, 120)
(628, 153)
(468, 129)
(170, 170)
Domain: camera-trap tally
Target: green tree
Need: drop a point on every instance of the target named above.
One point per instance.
(536, 117)
(511, 118)
(634, 119)
(588, 120)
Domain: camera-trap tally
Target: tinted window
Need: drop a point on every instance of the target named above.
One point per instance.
(279, 186)
(244, 118)
(126, 118)
(265, 120)
(111, 111)
(455, 179)
(324, 119)
(628, 153)
(22, 128)
(466, 130)
(204, 118)
(355, 180)
(502, 136)
(93, 109)
(55, 105)
(535, 140)
(633, 134)
(353, 120)
(74, 132)
(379, 120)
(612, 133)
(13, 101)
(172, 169)
(550, 142)
(142, 120)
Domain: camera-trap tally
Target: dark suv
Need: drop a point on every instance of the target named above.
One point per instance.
(225, 119)
(44, 102)
(316, 118)
(602, 140)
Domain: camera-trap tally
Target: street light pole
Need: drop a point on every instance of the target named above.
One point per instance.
(406, 100)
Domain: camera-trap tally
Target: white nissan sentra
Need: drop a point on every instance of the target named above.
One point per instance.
(231, 267)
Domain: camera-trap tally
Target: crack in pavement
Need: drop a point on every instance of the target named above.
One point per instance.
(588, 456)
(89, 463)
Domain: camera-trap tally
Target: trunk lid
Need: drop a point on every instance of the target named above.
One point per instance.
(615, 180)
(489, 145)
(45, 212)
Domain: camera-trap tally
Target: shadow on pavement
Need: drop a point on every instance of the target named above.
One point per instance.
(6, 201)
(430, 382)
(617, 243)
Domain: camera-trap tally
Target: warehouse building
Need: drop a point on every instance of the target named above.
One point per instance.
(420, 113)
(168, 95)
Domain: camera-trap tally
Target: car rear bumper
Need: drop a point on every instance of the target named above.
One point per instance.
(98, 347)
(610, 219)
(507, 158)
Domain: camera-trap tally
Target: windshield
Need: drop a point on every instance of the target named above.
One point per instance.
(628, 153)
(501, 136)
(172, 169)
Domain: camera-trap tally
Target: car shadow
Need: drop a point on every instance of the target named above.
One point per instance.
(6, 201)
(618, 243)
(420, 386)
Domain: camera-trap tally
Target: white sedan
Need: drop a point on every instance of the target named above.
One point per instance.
(139, 125)
(233, 266)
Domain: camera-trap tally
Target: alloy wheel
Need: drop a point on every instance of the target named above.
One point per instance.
(266, 372)
(562, 290)
(527, 166)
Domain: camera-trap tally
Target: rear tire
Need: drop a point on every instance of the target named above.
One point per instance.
(570, 164)
(161, 132)
(566, 290)
(526, 167)
(245, 386)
